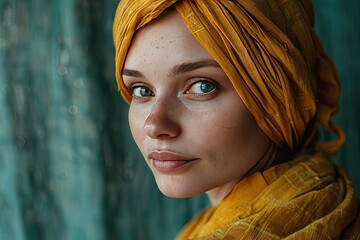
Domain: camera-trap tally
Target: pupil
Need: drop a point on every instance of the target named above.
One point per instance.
(206, 87)
(145, 92)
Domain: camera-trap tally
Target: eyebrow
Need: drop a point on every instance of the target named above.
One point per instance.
(177, 69)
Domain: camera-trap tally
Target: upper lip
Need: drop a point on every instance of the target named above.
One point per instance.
(162, 155)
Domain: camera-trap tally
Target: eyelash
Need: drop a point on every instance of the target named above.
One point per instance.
(142, 97)
(139, 87)
(214, 86)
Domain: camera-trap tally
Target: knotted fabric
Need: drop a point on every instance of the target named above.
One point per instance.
(270, 53)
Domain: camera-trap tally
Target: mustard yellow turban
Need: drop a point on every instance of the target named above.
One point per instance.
(269, 51)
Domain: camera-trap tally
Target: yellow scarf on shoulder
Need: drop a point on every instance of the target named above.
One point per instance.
(308, 198)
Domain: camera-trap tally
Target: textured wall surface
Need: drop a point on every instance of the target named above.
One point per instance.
(69, 168)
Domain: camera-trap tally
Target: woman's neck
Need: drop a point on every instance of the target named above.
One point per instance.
(216, 195)
(271, 157)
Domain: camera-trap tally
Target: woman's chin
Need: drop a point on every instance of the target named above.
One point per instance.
(176, 191)
(177, 194)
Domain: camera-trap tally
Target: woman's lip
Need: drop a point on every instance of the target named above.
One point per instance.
(167, 156)
(170, 165)
(165, 161)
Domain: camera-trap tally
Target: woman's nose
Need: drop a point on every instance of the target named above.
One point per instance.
(162, 122)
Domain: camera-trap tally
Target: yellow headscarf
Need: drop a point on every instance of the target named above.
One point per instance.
(271, 54)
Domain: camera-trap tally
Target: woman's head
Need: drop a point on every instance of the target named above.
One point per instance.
(266, 49)
(186, 117)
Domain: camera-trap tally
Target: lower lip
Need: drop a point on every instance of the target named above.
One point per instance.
(171, 165)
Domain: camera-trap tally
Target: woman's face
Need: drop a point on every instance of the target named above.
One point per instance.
(191, 126)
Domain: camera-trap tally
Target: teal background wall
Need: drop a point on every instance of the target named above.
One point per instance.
(69, 168)
(337, 23)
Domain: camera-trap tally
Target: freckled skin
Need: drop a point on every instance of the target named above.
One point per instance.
(216, 129)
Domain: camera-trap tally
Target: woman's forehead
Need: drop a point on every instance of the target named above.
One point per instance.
(165, 37)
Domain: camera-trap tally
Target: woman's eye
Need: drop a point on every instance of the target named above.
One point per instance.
(202, 87)
(142, 91)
